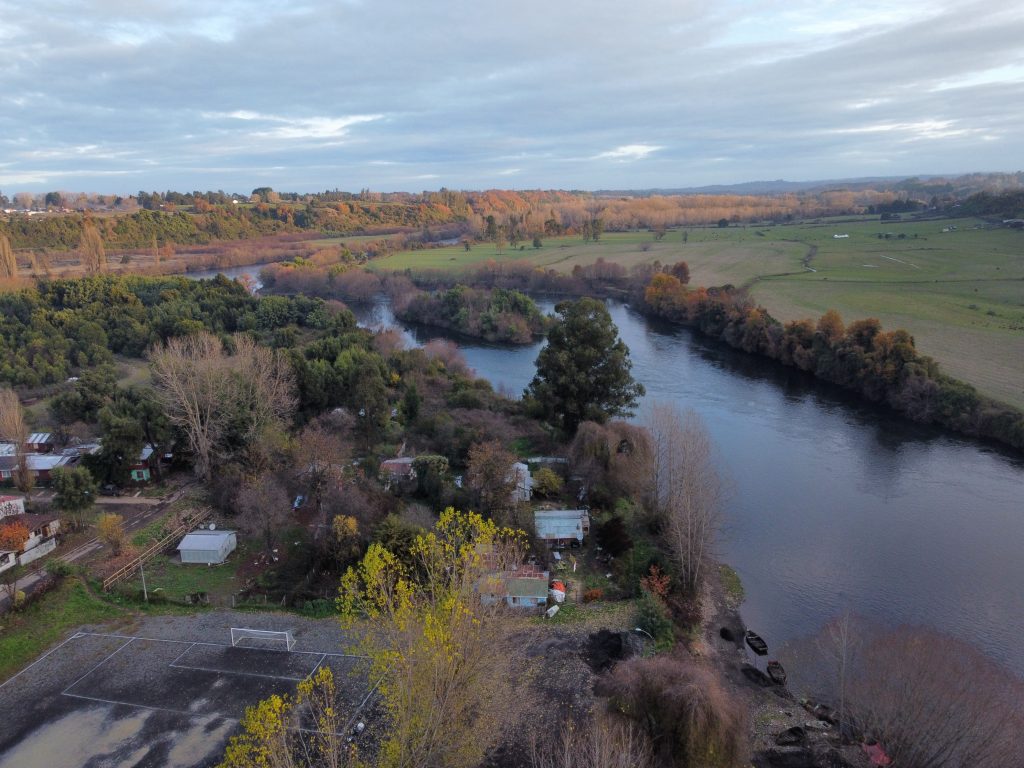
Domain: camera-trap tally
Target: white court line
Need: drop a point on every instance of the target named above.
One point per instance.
(147, 706)
(52, 650)
(178, 657)
(220, 645)
(108, 658)
(316, 667)
(244, 674)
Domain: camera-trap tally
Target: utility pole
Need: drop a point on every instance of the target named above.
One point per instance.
(142, 570)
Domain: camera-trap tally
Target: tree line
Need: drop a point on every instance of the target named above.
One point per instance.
(881, 366)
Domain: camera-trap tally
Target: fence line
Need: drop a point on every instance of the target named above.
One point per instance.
(184, 527)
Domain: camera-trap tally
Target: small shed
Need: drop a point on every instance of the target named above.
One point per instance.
(561, 527)
(210, 547)
(523, 482)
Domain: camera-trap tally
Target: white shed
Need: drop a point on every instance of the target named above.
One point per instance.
(210, 547)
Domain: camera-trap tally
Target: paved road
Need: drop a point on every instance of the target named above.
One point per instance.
(157, 507)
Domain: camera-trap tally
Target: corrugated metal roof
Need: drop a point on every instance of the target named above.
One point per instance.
(205, 540)
(38, 437)
(560, 523)
(527, 587)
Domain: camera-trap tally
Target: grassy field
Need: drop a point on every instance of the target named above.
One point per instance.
(167, 576)
(25, 635)
(960, 292)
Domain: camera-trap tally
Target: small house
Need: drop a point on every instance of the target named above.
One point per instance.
(523, 587)
(42, 535)
(41, 465)
(562, 527)
(398, 470)
(8, 559)
(209, 547)
(39, 442)
(12, 505)
(140, 469)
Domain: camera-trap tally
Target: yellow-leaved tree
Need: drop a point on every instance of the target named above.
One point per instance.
(438, 646)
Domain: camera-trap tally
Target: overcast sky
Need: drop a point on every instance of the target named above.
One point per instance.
(122, 95)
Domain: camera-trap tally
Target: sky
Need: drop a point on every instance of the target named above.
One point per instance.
(115, 96)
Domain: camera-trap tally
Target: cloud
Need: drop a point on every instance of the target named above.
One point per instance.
(320, 94)
(628, 152)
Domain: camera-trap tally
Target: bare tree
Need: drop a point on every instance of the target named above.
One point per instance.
(930, 700)
(14, 428)
(91, 250)
(489, 475)
(263, 508)
(213, 396)
(8, 264)
(602, 741)
(320, 456)
(687, 489)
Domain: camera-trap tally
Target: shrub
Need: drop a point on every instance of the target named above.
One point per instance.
(653, 618)
(683, 709)
(59, 569)
(592, 595)
(613, 536)
(547, 483)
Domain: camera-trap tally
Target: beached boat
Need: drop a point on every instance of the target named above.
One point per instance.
(757, 645)
(776, 672)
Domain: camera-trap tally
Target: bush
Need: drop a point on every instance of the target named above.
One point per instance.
(592, 595)
(59, 569)
(613, 536)
(683, 710)
(652, 617)
(547, 483)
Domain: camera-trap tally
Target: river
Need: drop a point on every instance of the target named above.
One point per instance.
(836, 505)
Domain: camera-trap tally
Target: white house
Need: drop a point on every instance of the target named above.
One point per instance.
(209, 547)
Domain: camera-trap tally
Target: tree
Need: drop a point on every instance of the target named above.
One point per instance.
(224, 403)
(537, 243)
(687, 490)
(14, 427)
(307, 731)
(443, 656)
(110, 529)
(91, 250)
(75, 493)
(490, 477)
(547, 483)
(13, 536)
(319, 458)
(584, 371)
(8, 264)
(970, 714)
(263, 509)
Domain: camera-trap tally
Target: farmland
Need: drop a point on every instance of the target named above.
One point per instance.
(960, 292)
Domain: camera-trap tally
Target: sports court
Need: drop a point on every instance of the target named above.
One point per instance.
(111, 699)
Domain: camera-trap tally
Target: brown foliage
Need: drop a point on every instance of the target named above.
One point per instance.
(263, 508)
(682, 708)
(489, 475)
(13, 536)
(614, 458)
(603, 741)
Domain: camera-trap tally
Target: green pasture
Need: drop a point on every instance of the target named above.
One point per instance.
(960, 292)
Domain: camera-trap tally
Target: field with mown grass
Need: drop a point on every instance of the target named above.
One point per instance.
(960, 292)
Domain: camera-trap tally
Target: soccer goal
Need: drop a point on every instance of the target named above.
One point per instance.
(240, 636)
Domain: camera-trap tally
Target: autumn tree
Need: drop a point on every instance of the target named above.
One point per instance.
(8, 264)
(306, 731)
(223, 402)
(14, 427)
(110, 529)
(13, 536)
(490, 477)
(75, 494)
(442, 654)
(90, 248)
(583, 373)
(687, 490)
(263, 509)
(615, 459)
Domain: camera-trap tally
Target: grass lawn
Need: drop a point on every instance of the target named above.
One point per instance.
(26, 635)
(166, 575)
(960, 292)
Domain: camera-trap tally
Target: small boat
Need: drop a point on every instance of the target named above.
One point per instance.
(776, 672)
(757, 645)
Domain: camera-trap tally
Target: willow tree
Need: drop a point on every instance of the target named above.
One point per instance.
(90, 248)
(442, 653)
(8, 264)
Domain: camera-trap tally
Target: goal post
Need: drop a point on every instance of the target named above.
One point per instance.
(239, 636)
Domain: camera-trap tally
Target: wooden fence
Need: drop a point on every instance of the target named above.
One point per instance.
(187, 524)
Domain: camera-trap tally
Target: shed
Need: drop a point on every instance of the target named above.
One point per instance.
(210, 547)
(561, 527)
